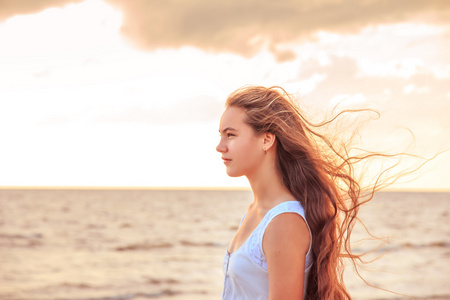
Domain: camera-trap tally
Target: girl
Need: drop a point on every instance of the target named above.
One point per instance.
(291, 242)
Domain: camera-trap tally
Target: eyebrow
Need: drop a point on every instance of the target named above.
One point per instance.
(228, 129)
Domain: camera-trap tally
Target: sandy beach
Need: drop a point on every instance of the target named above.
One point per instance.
(169, 244)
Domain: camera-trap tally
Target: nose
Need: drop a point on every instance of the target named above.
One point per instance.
(221, 147)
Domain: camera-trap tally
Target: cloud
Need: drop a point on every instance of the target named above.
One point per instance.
(203, 108)
(245, 27)
(419, 102)
(20, 7)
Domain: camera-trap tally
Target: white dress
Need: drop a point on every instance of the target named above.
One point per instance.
(245, 270)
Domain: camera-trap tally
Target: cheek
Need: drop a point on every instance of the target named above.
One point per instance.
(249, 152)
(246, 155)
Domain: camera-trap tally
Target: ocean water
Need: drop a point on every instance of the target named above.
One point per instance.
(169, 244)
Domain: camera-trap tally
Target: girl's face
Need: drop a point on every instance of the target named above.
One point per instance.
(242, 151)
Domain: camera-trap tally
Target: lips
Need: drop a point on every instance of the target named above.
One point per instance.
(226, 160)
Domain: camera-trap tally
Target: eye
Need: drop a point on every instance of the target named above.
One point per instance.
(230, 135)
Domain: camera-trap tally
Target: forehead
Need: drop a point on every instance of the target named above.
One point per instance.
(232, 117)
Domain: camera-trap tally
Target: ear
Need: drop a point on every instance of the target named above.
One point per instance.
(268, 140)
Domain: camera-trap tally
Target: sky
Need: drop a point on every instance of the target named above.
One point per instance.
(129, 93)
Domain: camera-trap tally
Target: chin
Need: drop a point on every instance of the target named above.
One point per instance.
(234, 174)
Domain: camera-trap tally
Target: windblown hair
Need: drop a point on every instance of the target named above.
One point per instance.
(319, 174)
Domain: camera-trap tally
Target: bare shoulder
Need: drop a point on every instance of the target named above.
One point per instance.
(287, 231)
(285, 244)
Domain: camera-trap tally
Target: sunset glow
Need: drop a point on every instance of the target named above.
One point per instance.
(87, 99)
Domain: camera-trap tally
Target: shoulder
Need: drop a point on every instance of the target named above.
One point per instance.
(287, 232)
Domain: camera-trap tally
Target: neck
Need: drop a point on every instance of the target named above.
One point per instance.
(267, 185)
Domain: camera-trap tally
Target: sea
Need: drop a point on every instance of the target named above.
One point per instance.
(136, 244)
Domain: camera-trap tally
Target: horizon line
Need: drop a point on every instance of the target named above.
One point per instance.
(212, 188)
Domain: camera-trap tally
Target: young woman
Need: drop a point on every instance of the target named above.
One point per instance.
(291, 242)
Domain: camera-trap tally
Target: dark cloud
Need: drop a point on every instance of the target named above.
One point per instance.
(9, 8)
(244, 27)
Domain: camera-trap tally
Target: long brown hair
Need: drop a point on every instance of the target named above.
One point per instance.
(319, 174)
